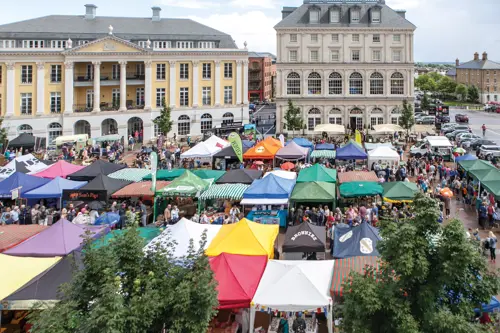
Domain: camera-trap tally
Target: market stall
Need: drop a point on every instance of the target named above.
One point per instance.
(371, 146)
(295, 286)
(99, 167)
(282, 174)
(303, 142)
(240, 176)
(384, 156)
(244, 237)
(351, 151)
(362, 176)
(317, 173)
(271, 190)
(321, 193)
(210, 175)
(360, 189)
(183, 232)
(60, 239)
(396, 192)
(219, 194)
(54, 189)
(323, 154)
(12, 235)
(303, 239)
(466, 157)
(206, 149)
(330, 128)
(264, 150)
(357, 241)
(292, 152)
(277, 216)
(164, 174)
(24, 164)
(343, 268)
(20, 183)
(59, 169)
(227, 159)
(139, 190)
(238, 277)
(131, 174)
(27, 141)
(100, 188)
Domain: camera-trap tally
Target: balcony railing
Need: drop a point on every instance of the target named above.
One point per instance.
(89, 77)
(82, 108)
(107, 107)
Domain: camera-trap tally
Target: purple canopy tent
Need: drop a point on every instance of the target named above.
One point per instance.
(59, 240)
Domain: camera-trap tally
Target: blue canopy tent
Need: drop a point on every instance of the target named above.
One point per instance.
(491, 307)
(25, 183)
(108, 218)
(325, 146)
(247, 143)
(271, 186)
(354, 242)
(466, 157)
(53, 189)
(303, 143)
(351, 151)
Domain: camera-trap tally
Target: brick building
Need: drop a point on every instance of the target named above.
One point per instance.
(482, 73)
(260, 74)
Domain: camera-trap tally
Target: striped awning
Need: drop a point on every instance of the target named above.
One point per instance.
(130, 174)
(224, 191)
(344, 267)
(323, 154)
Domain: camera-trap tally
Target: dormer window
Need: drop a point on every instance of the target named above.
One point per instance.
(335, 15)
(375, 15)
(314, 15)
(355, 15)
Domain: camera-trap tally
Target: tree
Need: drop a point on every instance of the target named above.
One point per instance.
(407, 119)
(446, 86)
(461, 92)
(430, 278)
(123, 289)
(426, 83)
(3, 133)
(292, 120)
(425, 104)
(473, 94)
(164, 121)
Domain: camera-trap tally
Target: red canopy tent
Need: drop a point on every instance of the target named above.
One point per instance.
(238, 277)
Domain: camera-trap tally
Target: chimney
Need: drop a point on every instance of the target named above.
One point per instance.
(476, 56)
(402, 13)
(457, 62)
(156, 14)
(90, 12)
(485, 56)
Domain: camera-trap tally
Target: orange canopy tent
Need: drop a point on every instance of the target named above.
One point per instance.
(262, 151)
(273, 142)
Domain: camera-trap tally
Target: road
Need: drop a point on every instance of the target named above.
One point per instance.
(266, 119)
(476, 121)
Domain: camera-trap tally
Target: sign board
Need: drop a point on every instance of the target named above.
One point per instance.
(85, 196)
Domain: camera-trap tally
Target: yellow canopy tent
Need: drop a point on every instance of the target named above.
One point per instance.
(17, 271)
(245, 238)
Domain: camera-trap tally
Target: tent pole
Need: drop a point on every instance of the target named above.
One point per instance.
(154, 208)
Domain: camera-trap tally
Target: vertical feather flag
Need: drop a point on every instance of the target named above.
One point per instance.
(235, 140)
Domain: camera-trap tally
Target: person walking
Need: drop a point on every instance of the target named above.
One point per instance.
(492, 239)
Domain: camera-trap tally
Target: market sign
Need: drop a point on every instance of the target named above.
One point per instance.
(304, 233)
(84, 195)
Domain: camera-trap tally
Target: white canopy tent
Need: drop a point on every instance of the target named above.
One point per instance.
(264, 201)
(330, 128)
(182, 232)
(387, 128)
(207, 148)
(282, 174)
(289, 285)
(28, 161)
(383, 154)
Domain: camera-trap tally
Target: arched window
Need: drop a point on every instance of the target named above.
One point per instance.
(376, 84)
(55, 131)
(314, 84)
(395, 114)
(157, 130)
(206, 122)
(314, 119)
(293, 84)
(335, 84)
(377, 117)
(356, 84)
(228, 118)
(184, 125)
(25, 129)
(397, 84)
(335, 116)
(82, 127)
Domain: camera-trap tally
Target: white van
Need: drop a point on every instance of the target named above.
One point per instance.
(437, 145)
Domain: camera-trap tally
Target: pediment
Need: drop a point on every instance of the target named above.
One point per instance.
(109, 44)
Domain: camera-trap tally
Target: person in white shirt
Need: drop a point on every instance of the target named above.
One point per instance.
(94, 215)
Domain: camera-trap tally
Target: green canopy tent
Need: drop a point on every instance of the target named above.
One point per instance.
(492, 186)
(322, 192)
(188, 184)
(330, 154)
(486, 174)
(225, 191)
(132, 174)
(317, 173)
(360, 189)
(166, 174)
(209, 174)
(399, 191)
(476, 165)
(147, 234)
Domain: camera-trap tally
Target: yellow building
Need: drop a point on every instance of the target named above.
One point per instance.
(111, 75)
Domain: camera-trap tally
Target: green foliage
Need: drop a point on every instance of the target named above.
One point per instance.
(293, 118)
(425, 104)
(461, 92)
(431, 277)
(3, 132)
(123, 289)
(473, 94)
(446, 86)
(164, 121)
(426, 83)
(407, 119)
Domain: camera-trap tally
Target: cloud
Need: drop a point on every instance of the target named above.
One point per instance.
(193, 4)
(266, 4)
(254, 27)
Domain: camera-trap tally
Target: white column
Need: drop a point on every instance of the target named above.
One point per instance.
(147, 85)
(123, 86)
(97, 86)
(68, 87)
(173, 88)
(40, 88)
(196, 83)
(279, 83)
(11, 88)
(217, 83)
(245, 81)
(239, 82)
(324, 83)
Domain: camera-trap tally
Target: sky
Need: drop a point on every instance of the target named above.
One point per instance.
(446, 29)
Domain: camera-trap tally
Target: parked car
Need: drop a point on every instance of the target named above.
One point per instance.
(466, 136)
(443, 119)
(462, 118)
(427, 120)
(458, 127)
(487, 152)
(453, 135)
(477, 143)
(449, 125)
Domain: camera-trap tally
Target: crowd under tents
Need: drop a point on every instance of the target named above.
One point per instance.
(293, 152)
(26, 141)
(304, 238)
(357, 241)
(294, 286)
(282, 174)
(131, 174)
(104, 186)
(343, 268)
(352, 176)
(240, 176)
(139, 190)
(165, 174)
(24, 164)
(188, 184)
(16, 272)
(24, 183)
(43, 291)
(183, 232)
(246, 238)
(53, 189)
(60, 239)
(238, 277)
(396, 192)
(224, 191)
(317, 173)
(99, 167)
(271, 190)
(206, 149)
(12, 235)
(351, 151)
(59, 169)
(384, 155)
(360, 189)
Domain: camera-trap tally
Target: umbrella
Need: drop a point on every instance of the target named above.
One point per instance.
(96, 205)
(258, 163)
(459, 150)
(288, 166)
(446, 192)
(108, 218)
